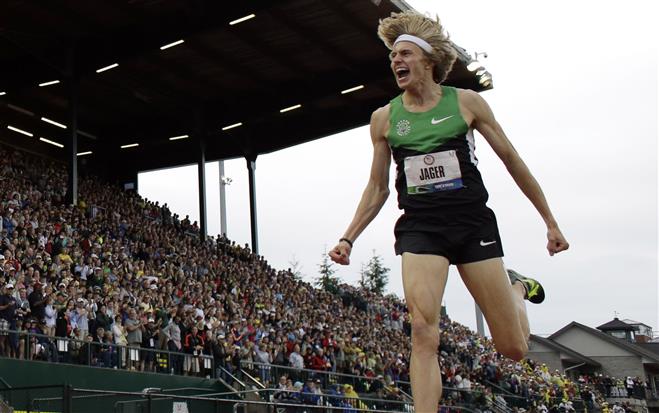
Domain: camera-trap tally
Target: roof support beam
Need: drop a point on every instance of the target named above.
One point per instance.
(251, 169)
(72, 85)
(201, 174)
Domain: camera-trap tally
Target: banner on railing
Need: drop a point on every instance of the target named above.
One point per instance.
(180, 407)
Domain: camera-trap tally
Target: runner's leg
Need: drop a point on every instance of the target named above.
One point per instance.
(502, 305)
(424, 279)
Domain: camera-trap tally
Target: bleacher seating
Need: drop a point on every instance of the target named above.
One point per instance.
(118, 270)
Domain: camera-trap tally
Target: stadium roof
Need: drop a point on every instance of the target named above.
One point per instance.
(216, 72)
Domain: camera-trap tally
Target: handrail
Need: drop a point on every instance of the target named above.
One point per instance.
(90, 393)
(243, 385)
(256, 402)
(7, 385)
(496, 386)
(127, 354)
(253, 379)
(349, 376)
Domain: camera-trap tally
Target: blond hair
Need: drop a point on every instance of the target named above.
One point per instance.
(443, 54)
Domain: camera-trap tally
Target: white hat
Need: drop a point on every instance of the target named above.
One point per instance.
(10, 285)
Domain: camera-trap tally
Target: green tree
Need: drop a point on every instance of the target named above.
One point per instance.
(295, 268)
(375, 275)
(327, 280)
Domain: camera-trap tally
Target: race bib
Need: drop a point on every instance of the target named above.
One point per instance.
(433, 172)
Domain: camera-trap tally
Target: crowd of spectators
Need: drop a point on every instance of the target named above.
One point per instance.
(126, 278)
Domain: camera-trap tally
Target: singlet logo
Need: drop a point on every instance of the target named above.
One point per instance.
(428, 160)
(403, 127)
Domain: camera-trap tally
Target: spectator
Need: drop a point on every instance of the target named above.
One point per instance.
(37, 302)
(7, 320)
(127, 259)
(193, 345)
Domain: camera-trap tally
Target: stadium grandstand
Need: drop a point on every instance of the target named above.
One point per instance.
(117, 282)
(111, 302)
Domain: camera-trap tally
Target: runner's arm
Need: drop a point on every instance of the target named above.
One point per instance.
(485, 123)
(377, 189)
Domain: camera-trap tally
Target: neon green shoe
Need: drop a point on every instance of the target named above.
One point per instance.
(534, 291)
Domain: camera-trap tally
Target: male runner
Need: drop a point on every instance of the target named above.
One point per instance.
(428, 130)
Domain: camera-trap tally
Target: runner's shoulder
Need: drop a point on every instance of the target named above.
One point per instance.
(380, 120)
(380, 116)
(467, 96)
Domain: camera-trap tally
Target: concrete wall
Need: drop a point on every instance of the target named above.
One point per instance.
(544, 354)
(589, 345)
(622, 366)
(616, 361)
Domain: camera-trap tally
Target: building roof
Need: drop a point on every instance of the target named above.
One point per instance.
(653, 347)
(624, 344)
(292, 52)
(615, 324)
(562, 349)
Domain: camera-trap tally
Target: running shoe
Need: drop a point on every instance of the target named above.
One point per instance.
(534, 291)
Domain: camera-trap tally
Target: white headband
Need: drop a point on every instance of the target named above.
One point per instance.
(416, 40)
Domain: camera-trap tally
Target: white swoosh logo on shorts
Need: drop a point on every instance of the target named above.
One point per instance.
(435, 122)
(485, 244)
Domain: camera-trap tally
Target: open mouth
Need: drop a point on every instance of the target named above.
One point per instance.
(402, 73)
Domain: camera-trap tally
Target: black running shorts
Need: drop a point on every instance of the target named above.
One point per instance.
(461, 237)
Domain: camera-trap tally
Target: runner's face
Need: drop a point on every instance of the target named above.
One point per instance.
(408, 64)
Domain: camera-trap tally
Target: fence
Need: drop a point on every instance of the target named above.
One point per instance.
(33, 346)
(452, 398)
(67, 399)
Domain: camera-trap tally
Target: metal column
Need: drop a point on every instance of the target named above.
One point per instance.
(223, 199)
(72, 143)
(201, 171)
(251, 168)
(480, 326)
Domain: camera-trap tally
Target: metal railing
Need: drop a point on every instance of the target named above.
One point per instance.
(33, 346)
(461, 398)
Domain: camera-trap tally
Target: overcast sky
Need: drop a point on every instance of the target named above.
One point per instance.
(575, 89)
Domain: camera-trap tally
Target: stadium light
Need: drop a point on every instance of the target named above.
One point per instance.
(352, 89)
(485, 78)
(130, 145)
(288, 109)
(3, 93)
(474, 65)
(52, 122)
(52, 82)
(59, 145)
(84, 153)
(242, 19)
(176, 138)
(480, 72)
(235, 125)
(167, 46)
(103, 69)
(19, 131)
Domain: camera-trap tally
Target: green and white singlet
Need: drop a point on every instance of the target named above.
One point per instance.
(434, 155)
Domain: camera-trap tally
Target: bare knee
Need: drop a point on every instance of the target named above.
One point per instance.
(513, 349)
(425, 335)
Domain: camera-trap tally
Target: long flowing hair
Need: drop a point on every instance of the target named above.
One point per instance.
(443, 54)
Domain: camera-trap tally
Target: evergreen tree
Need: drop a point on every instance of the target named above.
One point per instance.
(295, 268)
(363, 280)
(327, 280)
(375, 275)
